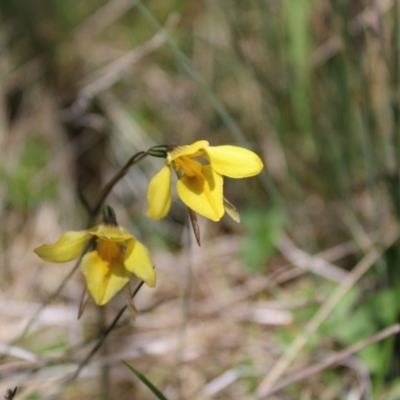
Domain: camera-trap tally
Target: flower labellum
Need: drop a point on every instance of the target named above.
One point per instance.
(107, 268)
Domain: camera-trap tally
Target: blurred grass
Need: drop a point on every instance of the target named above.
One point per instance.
(313, 87)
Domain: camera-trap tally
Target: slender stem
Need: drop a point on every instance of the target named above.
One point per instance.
(136, 158)
(104, 376)
(101, 340)
(395, 84)
(93, 212)
(117, 177)
(187, 289)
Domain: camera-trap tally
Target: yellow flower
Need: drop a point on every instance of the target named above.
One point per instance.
(114, 256)
(200, 183)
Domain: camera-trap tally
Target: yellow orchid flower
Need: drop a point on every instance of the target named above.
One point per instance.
(200, 183)
(108, 267)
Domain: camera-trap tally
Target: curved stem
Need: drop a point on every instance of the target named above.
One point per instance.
(135, 159)
(97, 346)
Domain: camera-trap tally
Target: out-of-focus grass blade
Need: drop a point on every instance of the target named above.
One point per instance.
(156, 392)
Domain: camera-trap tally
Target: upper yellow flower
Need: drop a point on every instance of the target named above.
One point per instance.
(200, 184)
(107, 267)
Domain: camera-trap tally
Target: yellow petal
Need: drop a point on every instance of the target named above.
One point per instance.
(67, 248)
(159, 194)
(203, 194)
(180, 151)
(104, 279)
(138, 262)
(233, 161)
(114, 233)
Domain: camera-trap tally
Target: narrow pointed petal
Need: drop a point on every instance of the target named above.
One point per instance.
(82, 304)
(103, 279)
(181, 151)
(137, 261)
(233, 161)
(67, 248)
(195, 225)
(159, 194)
(231, 211)
(203, 194)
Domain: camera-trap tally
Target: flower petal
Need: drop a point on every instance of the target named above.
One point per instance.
(233, 161)
(203, 194)
(159, 194)
(180, 151)
(103, 279)
(138, 262)
(67, 248)
(114, 233)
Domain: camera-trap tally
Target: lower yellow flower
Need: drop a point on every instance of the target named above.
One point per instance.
(200, 183)
(107, 268)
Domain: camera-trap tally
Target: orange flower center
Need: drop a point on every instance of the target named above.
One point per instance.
(194, 169)
(108, 250)
(190, 167)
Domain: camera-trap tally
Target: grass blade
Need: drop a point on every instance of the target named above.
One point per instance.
(156, 392)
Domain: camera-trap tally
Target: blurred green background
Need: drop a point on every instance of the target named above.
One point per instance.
(312, 86)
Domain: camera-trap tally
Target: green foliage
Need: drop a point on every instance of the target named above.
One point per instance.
(34, 396)
(392, 392)
(155, 391)
(357, 318)
(262, 228)
(20, 188)
(244, 72)
(297, 16)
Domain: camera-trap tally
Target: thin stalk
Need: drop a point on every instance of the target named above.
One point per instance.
(135, 159)
(98, 345)
(187, 289)
(396, 99)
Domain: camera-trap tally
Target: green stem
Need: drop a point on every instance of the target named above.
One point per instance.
(135, 159)
(396, 102)
(96, 348)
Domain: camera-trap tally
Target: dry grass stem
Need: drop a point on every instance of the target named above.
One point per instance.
(313, 264)
(334, 359)
(110, 74)
(102, 18)
(259, 309)
(344, 286)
